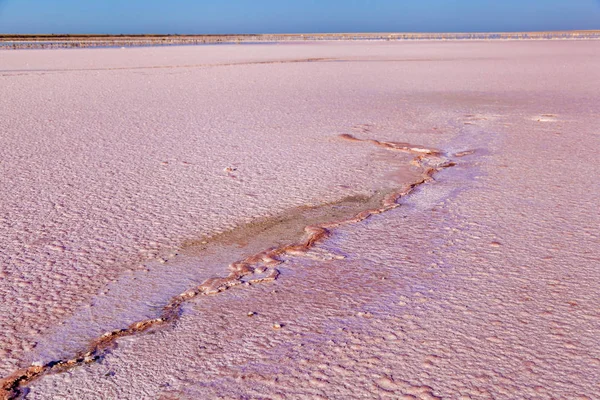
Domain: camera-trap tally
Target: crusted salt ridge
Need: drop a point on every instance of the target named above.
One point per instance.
(263, 264)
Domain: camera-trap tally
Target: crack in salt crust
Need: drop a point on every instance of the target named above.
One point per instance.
(256, 268)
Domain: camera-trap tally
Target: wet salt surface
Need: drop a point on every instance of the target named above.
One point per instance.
(141, 294)
(447, 296)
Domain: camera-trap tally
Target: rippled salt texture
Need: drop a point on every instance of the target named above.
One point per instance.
(114, 157)
(483, 285)
(141, 294)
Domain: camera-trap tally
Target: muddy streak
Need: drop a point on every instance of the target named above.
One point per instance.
(26, 72)
(287, 227)
(258, 267)
(233, 64)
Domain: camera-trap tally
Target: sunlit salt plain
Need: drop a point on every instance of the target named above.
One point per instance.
(130, 176)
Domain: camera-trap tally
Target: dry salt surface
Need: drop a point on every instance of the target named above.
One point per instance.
(131, 176)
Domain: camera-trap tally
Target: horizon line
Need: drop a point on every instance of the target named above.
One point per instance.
(300, 33)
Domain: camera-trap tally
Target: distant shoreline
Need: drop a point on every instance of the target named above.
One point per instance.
(23, 41)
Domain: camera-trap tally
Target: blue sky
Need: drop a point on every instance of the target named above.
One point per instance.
(267, 16)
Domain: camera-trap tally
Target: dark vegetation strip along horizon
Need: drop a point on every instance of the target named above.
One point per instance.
(19, 41)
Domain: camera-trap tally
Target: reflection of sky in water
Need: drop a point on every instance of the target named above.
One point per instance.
(136, 296)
